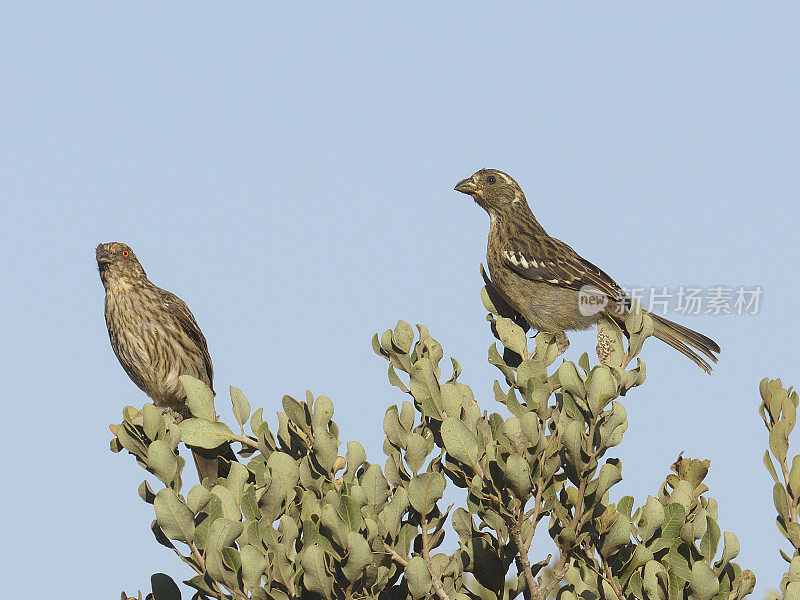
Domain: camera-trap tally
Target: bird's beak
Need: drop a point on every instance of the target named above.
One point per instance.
(466, 186)
(102, 255)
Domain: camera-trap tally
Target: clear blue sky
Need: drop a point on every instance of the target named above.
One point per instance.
(288, 171)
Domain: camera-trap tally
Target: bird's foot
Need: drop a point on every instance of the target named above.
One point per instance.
(178, 416)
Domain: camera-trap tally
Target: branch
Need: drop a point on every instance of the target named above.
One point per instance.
(574, 525)
(524, 565)
(426, 556)
(245, 440)
(395, 556)
(556, 576)
(610, 580)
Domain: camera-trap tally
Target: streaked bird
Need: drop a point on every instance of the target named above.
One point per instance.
(156, 339)
(545, 280)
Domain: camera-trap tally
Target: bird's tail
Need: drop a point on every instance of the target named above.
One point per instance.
(684, 339)
(214, 463)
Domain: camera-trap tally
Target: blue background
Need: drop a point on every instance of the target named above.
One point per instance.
(288, 171)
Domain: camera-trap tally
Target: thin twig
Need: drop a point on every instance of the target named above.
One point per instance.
(535, 512)
(426, 556)
(557, 575)
(244, 439)
(202, 563)
(610, 580)
(395, 556)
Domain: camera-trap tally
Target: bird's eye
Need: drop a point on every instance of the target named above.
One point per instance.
(125, 253)
(491, 180)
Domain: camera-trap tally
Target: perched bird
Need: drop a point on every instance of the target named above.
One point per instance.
(543, 279)
(156, 339)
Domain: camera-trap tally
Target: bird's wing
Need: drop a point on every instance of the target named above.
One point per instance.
(552, 261)
(186, 321)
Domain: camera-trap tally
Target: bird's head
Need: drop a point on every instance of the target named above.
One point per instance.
(494, 190)
(117, 263)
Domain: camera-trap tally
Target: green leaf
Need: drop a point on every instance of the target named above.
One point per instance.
(394, 430)
(241, 407)
(295, 411)
(452, 400)
(146, 493)
(460, 442)
(315, 574)
(617, 536)
(197, 498)
(655, 581)
(779, 441)
(600, 388)
(703, 584)
(323, 411)
(518, 476)
(164, 587)
(202, 433)
(424, 387)
(425, 490)
(416, 453)
(230, 508)
(162, 461)
(570, 381)
(730, 550)
(511, 335)
(355, 457)
(359, 556)
(674, 518)
(781, 503)
(285, 473)
(394, 379)
(199, 398)
(375, 487)
(610, 474)
(403, 336)
(152, 421)
(571, 439)
(173, 516)
(710, 540)
(254, 563)
(349, 512)
(770, 466)
(326, 447)
(652, 517)
(222, 534)
(418, 578)
(794, 478)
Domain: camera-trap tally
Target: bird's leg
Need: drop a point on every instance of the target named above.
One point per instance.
(177, 415)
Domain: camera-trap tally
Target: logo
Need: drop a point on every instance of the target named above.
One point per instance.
(591, 301)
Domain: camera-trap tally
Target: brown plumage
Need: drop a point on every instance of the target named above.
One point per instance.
(156, 339)
(542, 277)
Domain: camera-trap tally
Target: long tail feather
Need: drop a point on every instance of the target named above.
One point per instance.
(684, 339)
(213, 463)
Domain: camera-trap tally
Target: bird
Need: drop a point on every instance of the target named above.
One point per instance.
(156, 340)
(543, 278)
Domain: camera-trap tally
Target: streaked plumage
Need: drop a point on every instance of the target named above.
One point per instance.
(155, 336)
(541, 277)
